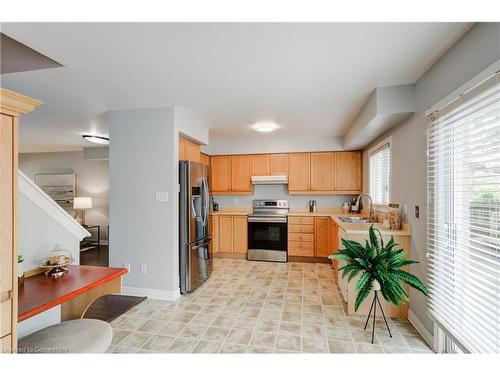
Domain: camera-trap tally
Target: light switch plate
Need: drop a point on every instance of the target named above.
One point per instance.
(162, 196)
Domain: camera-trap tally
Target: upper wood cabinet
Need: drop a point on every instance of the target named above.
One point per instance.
(348, 171)
(188, 150)
(220, 174)
(12, 105)
(241, 172)
(299, 166)
(260, 165)
(204, 159)
(322, 171)
(278, 164)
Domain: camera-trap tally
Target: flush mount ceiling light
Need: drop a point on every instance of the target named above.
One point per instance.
(96, 139)
(265, 127)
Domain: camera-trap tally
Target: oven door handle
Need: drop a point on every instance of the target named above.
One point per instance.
(255, 219)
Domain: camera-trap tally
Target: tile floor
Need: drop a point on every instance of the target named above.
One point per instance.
(258, 307)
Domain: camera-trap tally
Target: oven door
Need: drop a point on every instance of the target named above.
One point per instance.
(267, 236)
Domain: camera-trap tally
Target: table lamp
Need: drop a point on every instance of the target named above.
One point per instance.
(80, 204)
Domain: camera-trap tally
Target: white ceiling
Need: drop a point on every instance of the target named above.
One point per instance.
(309, 78)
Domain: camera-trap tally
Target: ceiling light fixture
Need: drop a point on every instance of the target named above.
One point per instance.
(96, 139)
(265, 127)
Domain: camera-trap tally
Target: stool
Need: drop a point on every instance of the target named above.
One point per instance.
(72, 336)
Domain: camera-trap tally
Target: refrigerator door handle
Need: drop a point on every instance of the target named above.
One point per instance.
(205, 244)
(206, 203)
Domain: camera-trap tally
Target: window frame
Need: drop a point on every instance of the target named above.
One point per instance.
(371, 151)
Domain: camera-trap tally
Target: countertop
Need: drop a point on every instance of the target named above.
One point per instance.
(40, 293)
(334, 213)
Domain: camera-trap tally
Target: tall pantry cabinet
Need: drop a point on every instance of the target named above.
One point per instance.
(12, 105)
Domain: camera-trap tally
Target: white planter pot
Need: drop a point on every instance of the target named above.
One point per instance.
(376, 286)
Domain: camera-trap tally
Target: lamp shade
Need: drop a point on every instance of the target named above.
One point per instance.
(81, 203)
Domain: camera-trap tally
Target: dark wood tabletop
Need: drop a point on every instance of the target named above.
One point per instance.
(40, 292)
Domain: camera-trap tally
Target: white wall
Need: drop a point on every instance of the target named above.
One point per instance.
(92, 179)
(272, 143)
(281, 192)
(191, 124)
(38, 233)
(143, 157)
(474, 52)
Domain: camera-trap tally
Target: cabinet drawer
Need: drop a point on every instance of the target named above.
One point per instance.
(300, 220)
(6, 314)
(306, 228)
(301, 237)
(305, 249)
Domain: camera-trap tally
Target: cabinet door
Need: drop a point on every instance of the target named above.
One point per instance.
(303, 249)
(278, 164)
(192, 152)
(241, 171)
(299, 172)
(214, 223)
(204, 159)
(260, 165)
(322, 168)
(240, 234)
(182, 150)
(8, 259)
(323, 237)
(220, 174)
(348, 171)
(225, 234)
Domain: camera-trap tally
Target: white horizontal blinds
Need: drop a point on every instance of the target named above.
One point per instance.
(380, 166)
(464, 217)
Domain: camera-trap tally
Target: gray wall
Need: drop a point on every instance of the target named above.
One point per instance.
(143, 161)
(92, 179)
(474, 52)
(281, 192)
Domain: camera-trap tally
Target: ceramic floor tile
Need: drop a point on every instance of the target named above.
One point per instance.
(230, 347)
(314, 345)
(215, 334)
(262, 339)
(181, 345)
(287, 342)
(340, 346)
(207, 347)
(158, 343)
(239, 336)
(135, 339)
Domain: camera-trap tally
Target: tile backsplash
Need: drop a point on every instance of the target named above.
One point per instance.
(281, 192)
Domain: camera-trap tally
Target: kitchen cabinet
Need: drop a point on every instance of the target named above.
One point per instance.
(232, 234)
(220, 174)
(226, 234)
(278, 164)
(12, 105)
(348, 171)
(301, 236)
(204, 159)
(299, 166)
(188, 150)
(241, 171)
(322, 171)
(240, 234)
(323, 246)
(260, 165)
(214, 226)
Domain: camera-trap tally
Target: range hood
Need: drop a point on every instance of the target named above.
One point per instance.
(270, 180)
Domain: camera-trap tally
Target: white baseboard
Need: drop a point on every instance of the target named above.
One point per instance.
(168, 295)
(419, 326)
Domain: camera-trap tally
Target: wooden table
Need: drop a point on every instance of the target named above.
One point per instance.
(73, 291)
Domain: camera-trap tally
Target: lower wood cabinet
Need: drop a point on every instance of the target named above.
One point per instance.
(311, 236)
(231, 234)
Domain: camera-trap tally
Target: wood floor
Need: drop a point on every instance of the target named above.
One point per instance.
(95, 257)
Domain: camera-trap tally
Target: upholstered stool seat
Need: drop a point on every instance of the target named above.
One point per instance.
(72, 336)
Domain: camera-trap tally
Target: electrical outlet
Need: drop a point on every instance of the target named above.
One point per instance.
(127, 266)
(144, 268)
(417, 212)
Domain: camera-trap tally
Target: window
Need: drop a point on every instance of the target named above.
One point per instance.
(380, 173)
(463, 235)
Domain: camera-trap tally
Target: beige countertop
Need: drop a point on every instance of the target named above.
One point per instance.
(334, 213)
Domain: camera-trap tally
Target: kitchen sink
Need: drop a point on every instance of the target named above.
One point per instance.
(354, 219)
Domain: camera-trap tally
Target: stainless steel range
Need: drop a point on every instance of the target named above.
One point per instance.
(268, 231)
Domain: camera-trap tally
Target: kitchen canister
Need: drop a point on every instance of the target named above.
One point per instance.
(394, 216)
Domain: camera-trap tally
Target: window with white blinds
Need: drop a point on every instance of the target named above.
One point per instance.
(464, 218)
(380, 173)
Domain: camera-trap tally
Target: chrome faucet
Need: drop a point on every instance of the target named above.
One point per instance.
(372, 213)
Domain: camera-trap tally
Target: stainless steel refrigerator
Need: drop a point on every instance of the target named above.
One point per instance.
(195, 240)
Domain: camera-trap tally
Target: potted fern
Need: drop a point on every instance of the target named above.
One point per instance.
(380, 267)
